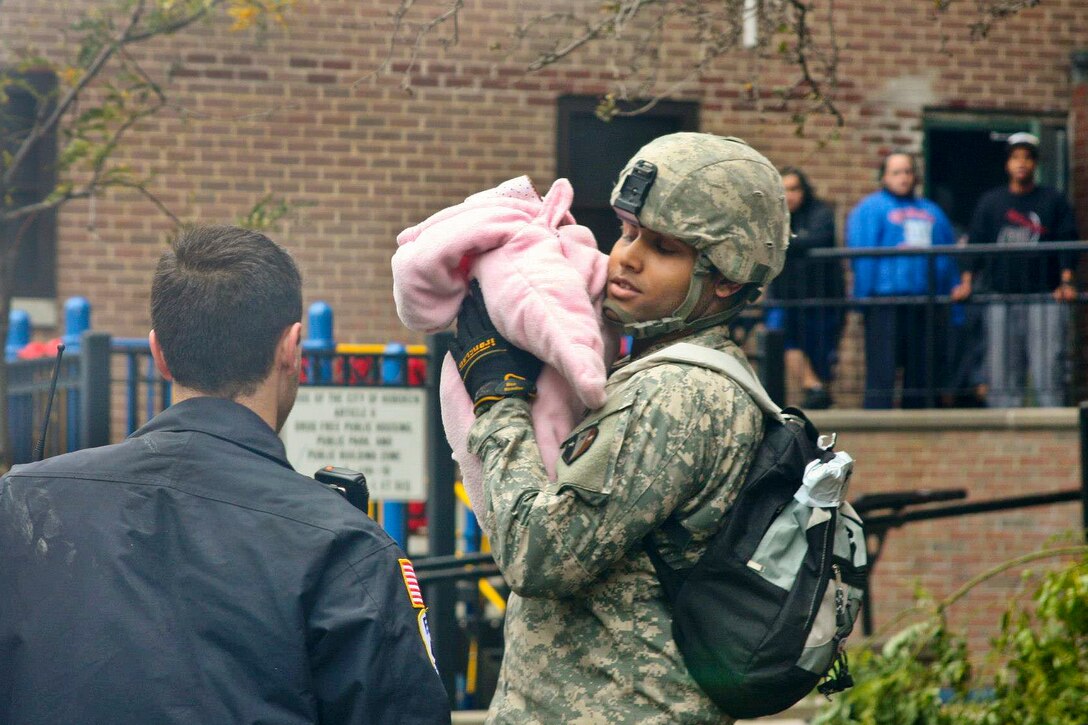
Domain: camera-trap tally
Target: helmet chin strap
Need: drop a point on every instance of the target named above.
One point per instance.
(678, 320)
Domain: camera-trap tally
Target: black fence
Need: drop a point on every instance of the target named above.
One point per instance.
(80, 412)
(1010, 343)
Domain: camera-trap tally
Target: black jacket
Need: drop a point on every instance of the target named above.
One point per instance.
(190, 575)
(812, 227)
(1039, 216)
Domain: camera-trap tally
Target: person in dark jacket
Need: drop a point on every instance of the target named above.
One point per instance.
(189, 574)
(1024, 336)
(811, 334)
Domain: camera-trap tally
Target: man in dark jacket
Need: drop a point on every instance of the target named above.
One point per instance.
(188, 574)
(1026, 334)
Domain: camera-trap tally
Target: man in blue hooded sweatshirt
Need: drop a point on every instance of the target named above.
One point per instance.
(895, 334)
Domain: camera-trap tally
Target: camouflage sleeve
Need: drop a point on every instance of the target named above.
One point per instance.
(656, 443)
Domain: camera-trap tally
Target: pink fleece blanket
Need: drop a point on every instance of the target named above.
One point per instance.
(543, 279)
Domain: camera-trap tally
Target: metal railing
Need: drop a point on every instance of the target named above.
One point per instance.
(947, 336)
(80, 412)
(146, 393)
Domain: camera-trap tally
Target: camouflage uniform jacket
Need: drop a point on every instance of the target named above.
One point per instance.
(588, 631)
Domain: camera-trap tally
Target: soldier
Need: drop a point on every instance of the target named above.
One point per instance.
(588, 630)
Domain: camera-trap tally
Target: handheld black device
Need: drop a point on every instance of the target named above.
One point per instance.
(348, 483)
(635, 189)
(39, 450)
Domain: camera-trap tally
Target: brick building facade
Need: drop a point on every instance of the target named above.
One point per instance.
(297, 112)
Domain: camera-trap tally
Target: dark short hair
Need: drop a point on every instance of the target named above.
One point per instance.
(220, 301)
(897, 152)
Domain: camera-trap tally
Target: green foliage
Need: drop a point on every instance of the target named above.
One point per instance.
(265, 214)
(922, 675)
(102, 92)
(902, 684)
(1045, 681)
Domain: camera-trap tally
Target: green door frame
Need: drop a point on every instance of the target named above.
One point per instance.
(1051, 128)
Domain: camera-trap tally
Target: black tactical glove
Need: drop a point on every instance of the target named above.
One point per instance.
(491, 367)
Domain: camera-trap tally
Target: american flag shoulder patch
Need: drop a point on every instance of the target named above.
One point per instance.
(410, 581)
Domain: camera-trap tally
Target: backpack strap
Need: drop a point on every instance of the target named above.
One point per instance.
(727, 365)
(706, 357)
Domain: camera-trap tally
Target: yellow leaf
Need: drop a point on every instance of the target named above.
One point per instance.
(71, 75)
(243, 15)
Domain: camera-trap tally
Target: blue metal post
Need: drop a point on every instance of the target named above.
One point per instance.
(132, 390)
(18, 333)
(320, 340)
(74, 403)
(77, 320)
(471, 536)
(395, 513)
(18, 408)
(150, 382)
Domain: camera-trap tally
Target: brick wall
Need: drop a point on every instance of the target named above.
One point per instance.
(989, 454)
(296, 112)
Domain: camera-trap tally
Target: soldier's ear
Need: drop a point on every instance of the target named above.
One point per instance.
(725, 288)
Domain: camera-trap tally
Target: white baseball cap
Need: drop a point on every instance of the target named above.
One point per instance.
(1022, 138)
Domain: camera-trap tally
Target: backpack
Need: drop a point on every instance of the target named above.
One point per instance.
(763, 615)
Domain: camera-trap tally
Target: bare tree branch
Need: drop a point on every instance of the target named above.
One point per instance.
(450, 14)
(803, 56)
(127, 37)
(43, 127)
(180, 24)
(718, 27)
(150, 196)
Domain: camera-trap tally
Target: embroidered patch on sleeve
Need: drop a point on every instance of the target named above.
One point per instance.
(575, 446)
(425, 635)
(410, 581)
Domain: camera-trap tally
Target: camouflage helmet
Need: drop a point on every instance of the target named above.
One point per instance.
(716, 193)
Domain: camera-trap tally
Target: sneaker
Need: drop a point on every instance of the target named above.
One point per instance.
(816, 399)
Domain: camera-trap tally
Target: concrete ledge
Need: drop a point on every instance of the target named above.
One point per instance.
(946, 419)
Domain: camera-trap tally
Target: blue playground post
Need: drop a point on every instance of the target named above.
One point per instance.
(77, 320)
(470, 538)
(320, 340)
(18, 333)
(395, 513)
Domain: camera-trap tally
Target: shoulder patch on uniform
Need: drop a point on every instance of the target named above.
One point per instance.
(408, 573)
(576, 446)
(425, 635)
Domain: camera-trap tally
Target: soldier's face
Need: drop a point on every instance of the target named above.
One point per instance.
(649, 273)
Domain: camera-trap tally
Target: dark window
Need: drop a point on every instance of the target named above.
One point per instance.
(35, 266)
(591, 153)
(965, 156)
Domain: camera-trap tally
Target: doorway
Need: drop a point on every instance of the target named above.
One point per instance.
(591, 153)
(965, 156)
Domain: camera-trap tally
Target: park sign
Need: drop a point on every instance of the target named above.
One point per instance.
(378, 431)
